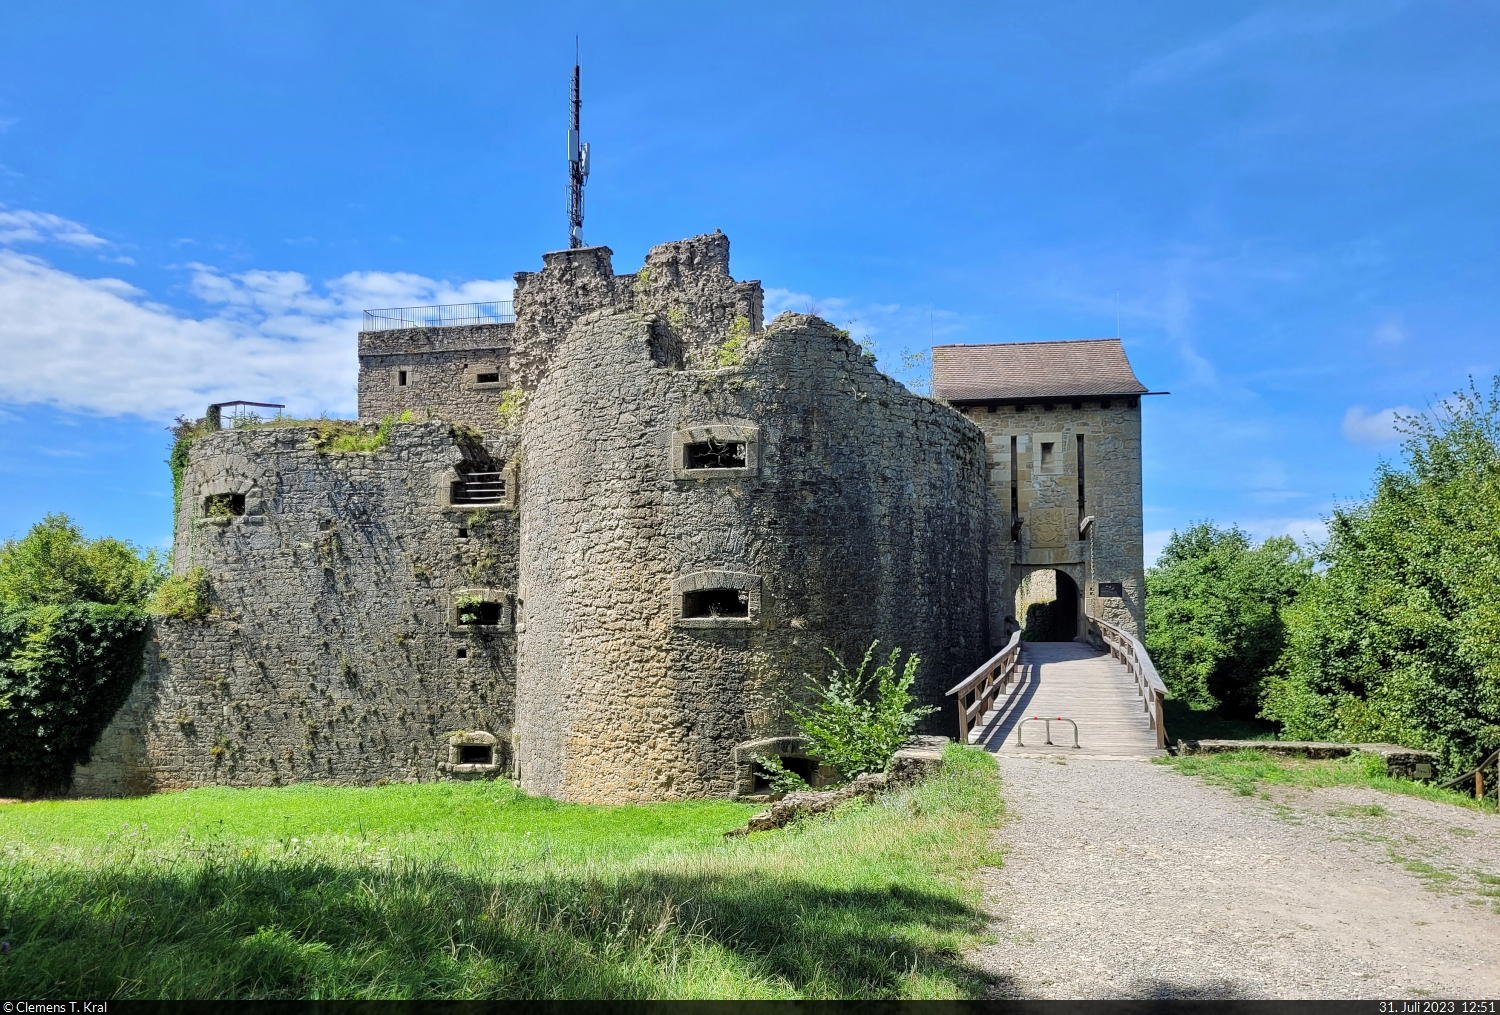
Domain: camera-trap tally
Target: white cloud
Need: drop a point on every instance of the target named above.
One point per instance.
(1379, 427)
(1390, 332)
(102, 346)
(1264, 27)
(44, 227)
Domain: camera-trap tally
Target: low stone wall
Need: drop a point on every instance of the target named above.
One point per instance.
(1400, 762)
(920, 759)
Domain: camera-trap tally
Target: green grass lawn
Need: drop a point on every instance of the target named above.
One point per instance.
(1246, 772)
(470, 890)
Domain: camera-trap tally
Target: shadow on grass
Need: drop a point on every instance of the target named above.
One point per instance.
(1184, 723)
(248, 928)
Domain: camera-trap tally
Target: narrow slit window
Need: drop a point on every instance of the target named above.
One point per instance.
(712, 454)
(476, 754)
(487, 378)
(1080, 478)
(224, 505)
(716, 603)
(1049, 454)
(478, 488)
(1015, 493)
(482, 614)
(401, 378)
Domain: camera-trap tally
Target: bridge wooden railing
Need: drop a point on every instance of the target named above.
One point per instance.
(1125, 647)
(977, 692)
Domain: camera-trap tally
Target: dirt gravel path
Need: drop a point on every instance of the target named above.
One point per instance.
(1125, 879)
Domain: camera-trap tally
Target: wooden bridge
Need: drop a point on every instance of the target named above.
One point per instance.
(1112, 693)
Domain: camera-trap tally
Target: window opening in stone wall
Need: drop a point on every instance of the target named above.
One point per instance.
(463, 653)
(484, 614)
(478, 488)
(1015, 493)
(1047, 406)
(807, 768)
(224, 505)
(1104, 403)
(487, 378)
(1080, 477)
(716, 603)
(401, 378)
(1047, 454)
(712, 454)
(1077, 405)
(476, 754)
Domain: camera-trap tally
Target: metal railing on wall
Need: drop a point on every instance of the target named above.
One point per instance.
(452, 316)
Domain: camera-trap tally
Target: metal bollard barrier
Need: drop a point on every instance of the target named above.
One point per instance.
(1048, 721)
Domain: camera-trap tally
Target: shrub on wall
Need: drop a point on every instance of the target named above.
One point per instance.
(185, 596)
(861, 718)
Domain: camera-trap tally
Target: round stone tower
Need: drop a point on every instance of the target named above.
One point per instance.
(697, 528)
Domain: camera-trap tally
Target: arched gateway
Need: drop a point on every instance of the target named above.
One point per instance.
(1062, 425)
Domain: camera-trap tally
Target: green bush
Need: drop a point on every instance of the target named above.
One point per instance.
(64, 672)
(185, 596)
(780, 778)
(53, 564)
(1395, 639)
(861, 718)
(1214, 615)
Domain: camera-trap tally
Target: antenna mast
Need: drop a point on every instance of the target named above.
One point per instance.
(578, 166)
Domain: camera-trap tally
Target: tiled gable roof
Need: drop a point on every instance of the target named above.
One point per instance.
(1085, 367)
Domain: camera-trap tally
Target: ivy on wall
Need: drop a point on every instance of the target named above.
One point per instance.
(64, 672)
(72, 630)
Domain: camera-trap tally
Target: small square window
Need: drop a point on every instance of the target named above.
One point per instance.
(480, 613)
(487, 378)
(463, 653)
(1048, 454)
(401, 378)
(476, 754)
(716, 603)
(712, 454)
(224, 505)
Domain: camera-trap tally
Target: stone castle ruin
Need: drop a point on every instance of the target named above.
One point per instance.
(612, 589)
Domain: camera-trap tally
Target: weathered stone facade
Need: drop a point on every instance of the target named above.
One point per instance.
(1047, 502)
(333, 653)
(615, 593)
(860, 516)
(458, 373)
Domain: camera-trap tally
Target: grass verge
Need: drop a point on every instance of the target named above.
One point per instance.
(1245, 771)
(477, 890)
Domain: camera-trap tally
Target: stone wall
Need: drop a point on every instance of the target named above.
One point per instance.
(332, 653)
(456, 373)
(858, 513)
(1048, 500)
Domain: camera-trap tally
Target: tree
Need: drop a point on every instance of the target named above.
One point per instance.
(72, 631)
(54, 565)
(1395, 639)
(1214, 614)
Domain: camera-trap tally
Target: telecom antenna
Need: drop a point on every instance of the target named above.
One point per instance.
(578, 166)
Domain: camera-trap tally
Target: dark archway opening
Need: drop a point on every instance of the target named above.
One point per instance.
(1057, 619)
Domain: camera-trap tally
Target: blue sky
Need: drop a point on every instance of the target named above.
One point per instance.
(1290, 209)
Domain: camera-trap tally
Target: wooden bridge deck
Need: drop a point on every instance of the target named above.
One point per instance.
(1065, 678)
